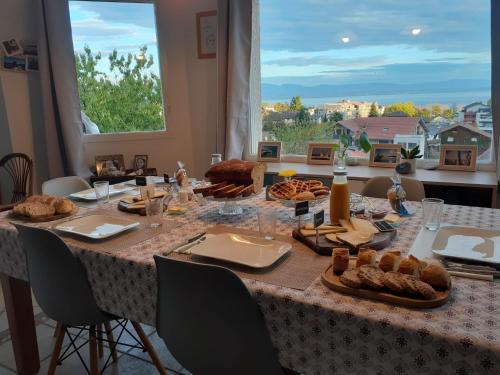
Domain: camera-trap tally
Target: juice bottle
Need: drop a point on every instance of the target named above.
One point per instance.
(339, 198)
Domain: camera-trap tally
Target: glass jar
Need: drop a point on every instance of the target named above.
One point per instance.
(339, 197)
(216, 158)
(339, 161)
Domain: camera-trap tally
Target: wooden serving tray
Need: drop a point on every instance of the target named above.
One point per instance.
(325, 247)
(333, 282)
(41, 219)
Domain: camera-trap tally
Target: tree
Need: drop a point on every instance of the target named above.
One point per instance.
(489, 103)
(336, 116)
(303, 116)
(373, 110)
(281, 107)
(128, 98)
(296, 103)
(406, 107)
(449, 113)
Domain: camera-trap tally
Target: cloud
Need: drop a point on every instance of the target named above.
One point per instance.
(327, 61)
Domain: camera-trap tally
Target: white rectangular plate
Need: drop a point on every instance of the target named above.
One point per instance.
(468, 243)
(96, 226)
(89, 194)
(250, 251)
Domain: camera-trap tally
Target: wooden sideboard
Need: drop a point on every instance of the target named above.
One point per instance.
(466, 188)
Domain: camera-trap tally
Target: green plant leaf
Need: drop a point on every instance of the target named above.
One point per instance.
(344, 139)
(364, 142)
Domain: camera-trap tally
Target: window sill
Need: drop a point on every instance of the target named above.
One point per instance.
(127, 137)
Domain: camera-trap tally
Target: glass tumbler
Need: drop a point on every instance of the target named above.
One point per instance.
(101, 191)
(154, 211)
(432, 211)
(267, 223)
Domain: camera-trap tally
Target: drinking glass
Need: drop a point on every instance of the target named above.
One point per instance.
(101, 191)
(154, 211)
(432, 211)
(267, 223)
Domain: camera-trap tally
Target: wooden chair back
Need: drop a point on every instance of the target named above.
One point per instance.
(19, 167)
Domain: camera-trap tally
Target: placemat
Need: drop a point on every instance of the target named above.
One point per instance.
(297, 270)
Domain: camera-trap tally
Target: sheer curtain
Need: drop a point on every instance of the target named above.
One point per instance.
(236, 54)
(63, 123)
(495, 78)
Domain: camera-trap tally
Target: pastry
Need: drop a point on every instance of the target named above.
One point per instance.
(371, 276)
(314, 188)
(313, 183)
(283, 190)
(394, 281)
(340, 259)
(64, 206)
(410, 266)
(436, 276)
(321, 193)
(365, 256)
(390, 261)
(351, 279)
(304, 196)
(299, 185)
(37, 210)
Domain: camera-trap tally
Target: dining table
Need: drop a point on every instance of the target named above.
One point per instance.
(314, 329)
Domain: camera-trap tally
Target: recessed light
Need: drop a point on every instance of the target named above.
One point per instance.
(345, 39)
(416, 31)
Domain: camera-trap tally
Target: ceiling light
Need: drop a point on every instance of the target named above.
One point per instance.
(416, 31)
(345, 39)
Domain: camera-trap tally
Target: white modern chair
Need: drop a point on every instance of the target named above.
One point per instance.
(377, 187)
(64, 186)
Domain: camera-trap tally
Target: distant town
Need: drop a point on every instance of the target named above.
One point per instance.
(405, 123)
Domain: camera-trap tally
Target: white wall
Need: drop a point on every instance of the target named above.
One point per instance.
(190, 85)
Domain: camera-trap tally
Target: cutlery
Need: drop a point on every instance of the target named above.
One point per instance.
(469, 275)
(187, 243)
(469, 266)
(184, 248)
(473, 270)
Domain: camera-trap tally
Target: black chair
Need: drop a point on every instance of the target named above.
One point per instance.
(61, 288)
(19, 167)
(212, 324)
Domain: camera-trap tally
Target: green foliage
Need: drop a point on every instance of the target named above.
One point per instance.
(406, 107)
(131, 100)
(296, 104)
(294, 137)
(373, 111)
(413, 153)
(303, 116)
(364, 142)
(336, 116)
(281, 107)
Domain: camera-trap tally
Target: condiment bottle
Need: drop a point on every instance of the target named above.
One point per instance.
(339, 197)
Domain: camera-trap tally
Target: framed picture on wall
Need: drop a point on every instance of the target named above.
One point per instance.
(320, 153)
(269, 151)
(385, 155)
(140, 162)
(110, 165)
(206, 31)
(458, 157)
(11, 47)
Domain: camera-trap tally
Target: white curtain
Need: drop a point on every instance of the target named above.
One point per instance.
(495, 78)
(59, 85)
(234, 54)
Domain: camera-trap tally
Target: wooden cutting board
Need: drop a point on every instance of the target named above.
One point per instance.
(333, 282)
(325, 247)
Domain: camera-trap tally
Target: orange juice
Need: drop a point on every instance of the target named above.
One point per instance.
(339, 198)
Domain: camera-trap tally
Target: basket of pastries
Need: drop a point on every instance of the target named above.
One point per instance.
(292, 191)
(405, 281)
(39, 208)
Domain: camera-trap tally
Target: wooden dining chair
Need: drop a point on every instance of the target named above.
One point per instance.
(377, 187)
(19, 167)
(61, 288)
(211, 322)
(64, 186)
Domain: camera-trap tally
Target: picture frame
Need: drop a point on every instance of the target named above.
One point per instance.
(385, 155)
(11, 47)
(320, 153)
(269, 151)
(140, 162)
(458, 157)
(109, 165)
(15, 63)
(206, 31)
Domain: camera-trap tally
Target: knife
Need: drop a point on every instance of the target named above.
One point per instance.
(188, 242)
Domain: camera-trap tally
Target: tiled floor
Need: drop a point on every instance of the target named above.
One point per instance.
(131, 361)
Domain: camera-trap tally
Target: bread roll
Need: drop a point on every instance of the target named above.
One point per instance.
(37, 210)
(436, 276)
(366, 256)
(64, 206)
(340, 259)
(390, 261)
(410, 266)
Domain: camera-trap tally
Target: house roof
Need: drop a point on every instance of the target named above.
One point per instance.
(384, 127)
(473, 104)
(472, 128)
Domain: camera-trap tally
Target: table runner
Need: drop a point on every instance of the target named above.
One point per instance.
(297, 270)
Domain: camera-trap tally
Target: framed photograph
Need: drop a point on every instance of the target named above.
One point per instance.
(11, 47)
(320, 153)
(29, 48)
(206, 29)
(458, 157)
(109, 165)
(385, 155)
(140, 162)
(31, 63)
(14, 63)
(269, 151)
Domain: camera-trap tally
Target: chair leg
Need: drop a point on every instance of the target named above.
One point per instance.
(100, 346)
(57, 350)
(56, 331)
(149, 348)
(93, 351)
(112, 344)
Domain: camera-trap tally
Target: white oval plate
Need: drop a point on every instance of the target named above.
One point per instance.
(96, 226)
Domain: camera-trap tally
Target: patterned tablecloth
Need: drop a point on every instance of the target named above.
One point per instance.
(316, 331)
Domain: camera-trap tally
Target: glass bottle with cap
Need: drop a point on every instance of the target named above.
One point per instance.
(339, 197)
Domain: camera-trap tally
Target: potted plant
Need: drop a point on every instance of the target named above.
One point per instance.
(341, 149)
(409, 162)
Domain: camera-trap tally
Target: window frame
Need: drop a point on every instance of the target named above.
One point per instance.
(135, 135)
(482, 165)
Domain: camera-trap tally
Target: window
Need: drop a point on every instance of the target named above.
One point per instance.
(404, 68)
(117, 65)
